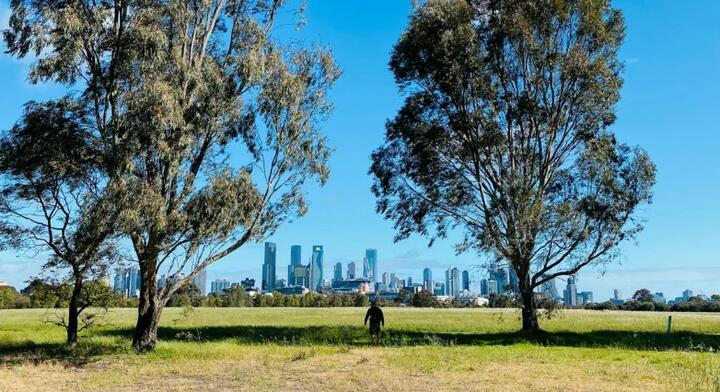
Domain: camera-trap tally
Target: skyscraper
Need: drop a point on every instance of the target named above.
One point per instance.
(484, 287)
(427, 279)
(549, 289)
(268, 272)
(119, 283)
(218, 286)
(316, 268)
(200, 281)
(570, 292)
(370, 268)
(466, 280)
(492, 286)
(337, 275)
(295, 260)
(452, 282)
(513, 280)
(500, 276)
(351, 270)
(132, 282)
(617, 295)
(408, 282)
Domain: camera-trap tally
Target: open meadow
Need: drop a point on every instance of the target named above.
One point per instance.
(327, 349)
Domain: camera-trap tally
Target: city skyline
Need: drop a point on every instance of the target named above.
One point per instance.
(677, 250)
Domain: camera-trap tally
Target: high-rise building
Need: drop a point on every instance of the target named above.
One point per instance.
(452, 282)
(119, 281)
(301, 274)
(466, 280)
(584, 297)
(316, 268)
(351, 271)
(337, 275)
(484, 287)
(439, 289)
(218, 286)
(513, 281)
(427, 279)
(393, 282)
(385, 280)
(200, 281)
(659, 298)
(687, 294)
(617, 294)
(132, 282)
(492, 286)
(408, 282)
(570, 292)
(295, 260)
(502, 279)
(370, 267)
(268, 271)
(549, 290)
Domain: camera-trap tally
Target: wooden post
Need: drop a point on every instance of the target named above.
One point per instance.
(669, 325)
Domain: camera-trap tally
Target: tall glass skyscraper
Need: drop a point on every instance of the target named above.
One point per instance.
(466, 280)
(372, 260)
(337, 273)
(452, 281)
(295, 261)
(268, 276)
(427, 279)
(316, 268)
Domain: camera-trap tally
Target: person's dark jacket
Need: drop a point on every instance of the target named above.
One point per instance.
(375, 315)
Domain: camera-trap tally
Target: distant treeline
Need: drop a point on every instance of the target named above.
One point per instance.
(39, 294)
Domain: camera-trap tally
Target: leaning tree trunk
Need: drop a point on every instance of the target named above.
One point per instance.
(149, 309)
(73, 313)
(529, 307)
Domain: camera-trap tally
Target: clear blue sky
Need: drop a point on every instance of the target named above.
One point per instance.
(670, 105)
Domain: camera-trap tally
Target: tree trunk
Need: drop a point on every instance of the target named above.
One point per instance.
(149, 309)
(73, 314)
(529, 308)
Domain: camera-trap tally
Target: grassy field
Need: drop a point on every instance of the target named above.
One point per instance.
(327, 349)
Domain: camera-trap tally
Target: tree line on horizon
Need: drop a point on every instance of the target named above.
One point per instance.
(188, 130)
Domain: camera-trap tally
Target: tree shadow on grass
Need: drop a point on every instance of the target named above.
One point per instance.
(88, 350)
(358, 336)
(29, 352)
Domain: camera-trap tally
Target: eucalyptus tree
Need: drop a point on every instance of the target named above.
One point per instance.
(505, 135)
(51, 203)
(208, 122)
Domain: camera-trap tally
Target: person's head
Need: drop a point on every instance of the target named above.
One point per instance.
(373, 303)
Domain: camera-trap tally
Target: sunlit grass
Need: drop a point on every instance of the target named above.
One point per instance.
(327, 348)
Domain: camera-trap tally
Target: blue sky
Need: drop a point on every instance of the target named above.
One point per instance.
(669, 106)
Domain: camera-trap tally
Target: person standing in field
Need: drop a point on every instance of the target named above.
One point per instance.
(375, 315)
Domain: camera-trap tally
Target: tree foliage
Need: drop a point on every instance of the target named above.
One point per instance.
(505, 135)
(208, 125)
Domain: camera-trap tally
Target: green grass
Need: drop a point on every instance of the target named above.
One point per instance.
(327, 349)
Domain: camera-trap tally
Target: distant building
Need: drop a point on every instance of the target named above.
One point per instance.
(513, 281)
(301, 275)
(293, 290)
(218, 286)
(268, 271)
(359, 286)
(295, 260)
(492, 287)
(465, 285)
(659, 298)
(484, 287)
(337, 272)
(617, 298)
(316, 268)
(280, 283)
(549, 290)
(452, 282)
(370, 267)
(439, 289)
(351, 271)
(501, 278)
(119, 282)
(200, 281)
(427, 279)
(408, 282)
(570, 292)
(248, 283)
(585, 297)
(687, 294)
